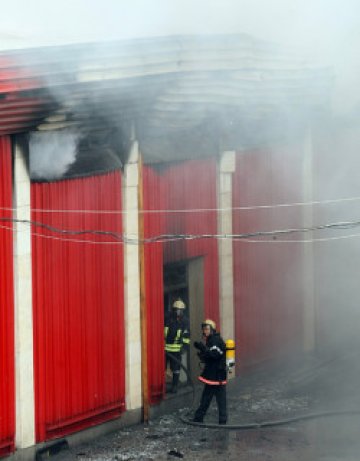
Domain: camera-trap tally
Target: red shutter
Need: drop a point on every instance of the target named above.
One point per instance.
(7, 382)
(78, 307)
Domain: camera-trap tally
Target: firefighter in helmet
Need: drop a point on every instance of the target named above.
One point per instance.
(177, 339)
(212, 352)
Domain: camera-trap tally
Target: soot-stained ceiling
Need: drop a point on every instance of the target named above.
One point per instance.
(182, 96)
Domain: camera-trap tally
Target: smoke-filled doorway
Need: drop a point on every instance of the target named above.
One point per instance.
(185, 280)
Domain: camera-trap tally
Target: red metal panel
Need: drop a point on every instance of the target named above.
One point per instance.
(14, 80)
(268, 277)
(192, 186)
(78, 307)
(15, 77)
(153, 226)
(184, 186)
(7, 382)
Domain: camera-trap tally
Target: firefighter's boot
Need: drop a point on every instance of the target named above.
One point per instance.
(175, 382)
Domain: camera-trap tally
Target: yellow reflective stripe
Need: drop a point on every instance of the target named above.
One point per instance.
(178, 334)
(186, 340)
(166, 331)
(173, 347)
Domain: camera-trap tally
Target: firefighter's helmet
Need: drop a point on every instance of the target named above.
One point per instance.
(209, 322)
(179, 304)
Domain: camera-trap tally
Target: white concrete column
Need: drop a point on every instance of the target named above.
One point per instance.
(132, 281)
(24, 360)
(309, 313)
(226, 168)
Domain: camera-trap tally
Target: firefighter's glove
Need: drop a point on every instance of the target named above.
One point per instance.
(201, 356)
(200, 346)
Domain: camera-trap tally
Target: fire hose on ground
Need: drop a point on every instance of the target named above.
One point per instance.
(255, 425)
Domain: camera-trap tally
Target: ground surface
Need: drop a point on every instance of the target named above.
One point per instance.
(272, 393)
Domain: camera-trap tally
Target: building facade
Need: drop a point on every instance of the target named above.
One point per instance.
(93, 258)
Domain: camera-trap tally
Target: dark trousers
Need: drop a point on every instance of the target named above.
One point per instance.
(174, 365)
(206, 398)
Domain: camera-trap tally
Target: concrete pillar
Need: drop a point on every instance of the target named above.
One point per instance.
(226, 168)
(24, 361)
(309, 312)
(132, 281)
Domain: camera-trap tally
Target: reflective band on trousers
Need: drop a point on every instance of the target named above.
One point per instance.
(173, 347)
(212, 383)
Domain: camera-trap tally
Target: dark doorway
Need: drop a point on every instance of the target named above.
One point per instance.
(184, 279)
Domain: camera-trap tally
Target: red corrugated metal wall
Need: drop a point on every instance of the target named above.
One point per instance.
(7, 381)
(192, 185)
(185, 186)
(153, 226)
(268, 277)
(78, 307)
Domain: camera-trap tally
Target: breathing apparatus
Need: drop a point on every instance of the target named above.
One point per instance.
(230, 354)
(230, 346)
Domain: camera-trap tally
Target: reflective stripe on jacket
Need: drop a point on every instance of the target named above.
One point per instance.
(176, 334)
(214, 358)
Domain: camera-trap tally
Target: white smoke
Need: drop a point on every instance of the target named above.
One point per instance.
(51, 154)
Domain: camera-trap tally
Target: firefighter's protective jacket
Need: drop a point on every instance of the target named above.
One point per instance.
(176, 333)
(213, 355)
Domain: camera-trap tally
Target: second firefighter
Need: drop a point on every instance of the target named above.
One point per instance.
(177, 340)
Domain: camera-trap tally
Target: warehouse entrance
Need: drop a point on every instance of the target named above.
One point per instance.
(185, 280)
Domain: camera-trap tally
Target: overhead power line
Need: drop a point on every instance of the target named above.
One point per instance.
(163, 238)
(194, 210)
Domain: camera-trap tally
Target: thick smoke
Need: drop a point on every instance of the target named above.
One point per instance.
(329, 30)
(51, 154)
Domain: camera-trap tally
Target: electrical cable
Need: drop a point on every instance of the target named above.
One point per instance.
(68, 240)
(256, 425)
(163, 238)
(50, 228)
(97, 242)
(194, 210)
(325, 239)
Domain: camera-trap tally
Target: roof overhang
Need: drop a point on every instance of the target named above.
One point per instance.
(186, 96)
